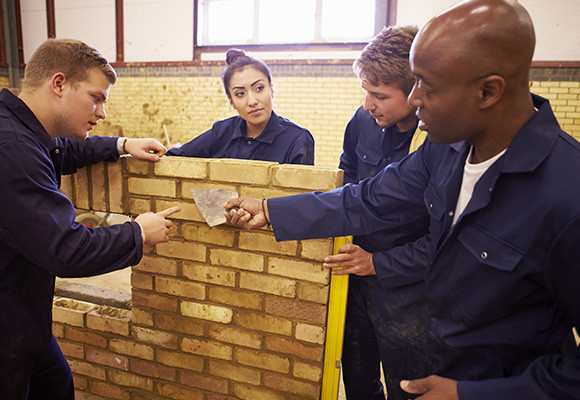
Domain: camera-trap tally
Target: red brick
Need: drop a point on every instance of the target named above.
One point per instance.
(180, 360)
(176, 323)
(178, 393)
(291, 347)
(294, 309)
(163, 303)
(153, 370)
(205, 382)
(87, 369)
(290, 385)
(77, 335)
(104, 357)
(72, 349)
(110, 391)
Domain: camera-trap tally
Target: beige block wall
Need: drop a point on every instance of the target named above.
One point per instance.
(217, 313)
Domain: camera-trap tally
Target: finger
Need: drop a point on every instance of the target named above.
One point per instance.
(233, 203)
(338, 258)
(347, 248)
(415, 387)
(169, 211)
(342, 271)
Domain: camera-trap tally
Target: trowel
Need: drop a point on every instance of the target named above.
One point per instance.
(210, 203)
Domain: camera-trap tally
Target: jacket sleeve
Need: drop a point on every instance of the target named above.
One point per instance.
(200, 147)
(392, 197)
(80, 153)
(37, 221)
(554, 376)
(302, 151)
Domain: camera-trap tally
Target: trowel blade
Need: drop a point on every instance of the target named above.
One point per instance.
(210, 203)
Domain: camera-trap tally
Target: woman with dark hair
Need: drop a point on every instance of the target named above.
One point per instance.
(257, 133)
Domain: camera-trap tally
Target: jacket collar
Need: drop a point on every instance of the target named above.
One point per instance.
(267, 136)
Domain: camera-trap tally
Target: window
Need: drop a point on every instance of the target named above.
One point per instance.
(239, 22)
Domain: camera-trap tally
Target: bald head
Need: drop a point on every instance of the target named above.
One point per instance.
(481, 37)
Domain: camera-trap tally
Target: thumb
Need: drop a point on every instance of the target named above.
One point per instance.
(347, 248)
(167, 212)
(416, 386)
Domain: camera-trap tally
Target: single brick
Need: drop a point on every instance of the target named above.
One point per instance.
(214, 235)
(99, 189)
(245, 392)
(156, 337)
(305, 177)
(268, 284)
(141, 317)
(182, 167)
(153, 370)
(109, 319)
(262, 360)
(152, 187)
(266, 242)
(181, 288)
(180, 360)
(236, 297)
(296, 310)
(131, 348)
(307, 371)
(303, 270)
(77, 335)
(175, 323)
(178, 393)
(72, 349)
(157, 265)
(310, 333)
(189, 211)
(141, 281)
(290, 385)
(234, 372)
(70, 311)
(292, 347)
(163, 303)
(313, 292)
(215, 275)
(87, 369)
(207, 348)
(115, 175)
(104, 357)
(66, 187)
(316, 249)
(182, 250)
(107, 390)
(207, 312)
(264, 323)
(237, 259)
(139, 206)
(205, 382)
(140, 167)
(128, 379)
(261, 192)
(235, 336)
(81, 188)
(240, 171)
(186, 187)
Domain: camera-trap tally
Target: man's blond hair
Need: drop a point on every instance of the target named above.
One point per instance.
(71, 57)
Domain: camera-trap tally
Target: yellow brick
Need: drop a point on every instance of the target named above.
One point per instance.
(236, 259)
(181, 288)
(141, 317)
(310, 333)
(207, 312)
(182, 250)
(177, 323)
(154, 336)
(267, 192)
(88, 369)
(235, 336)
(257, 241)
(207, 348)
(157, 265)
(290, 385)
(265, 323)
(235, 297)
(189, 211)
(99, 190)
(140, 167)
(255, 393)
(263, 360)
(268, 284)
(234, 372)
(139, 206)
(81, 184)
(127, 379)
(316, 249)
(70, 312)
(152, 187)
(182, 167)
(180, 360)
(312, 292)
(307, 371)
(305, 177)
(203, 273)
(240, 171)
(178, 392)
(141, 281)
(66, 186)
(307, 271)
(109, 319)
(206, 234)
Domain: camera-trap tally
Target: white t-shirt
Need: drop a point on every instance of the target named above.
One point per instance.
(471, 174)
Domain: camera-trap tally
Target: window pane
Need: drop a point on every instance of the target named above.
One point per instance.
(230, 21)
(348, 20)
(34, 24)
(283, 21)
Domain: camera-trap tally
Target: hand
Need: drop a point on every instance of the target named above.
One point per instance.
(249, 215)
(145, 149)
(156, 226)
(352, 259)
(432, 388)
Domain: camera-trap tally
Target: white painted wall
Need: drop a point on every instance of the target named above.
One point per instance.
(161, 30)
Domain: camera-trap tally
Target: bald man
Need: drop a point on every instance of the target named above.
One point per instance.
(495, 180)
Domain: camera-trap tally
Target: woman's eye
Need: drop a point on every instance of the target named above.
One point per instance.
(239, 94)
(259, 88)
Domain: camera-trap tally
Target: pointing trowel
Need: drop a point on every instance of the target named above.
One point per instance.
(210, 203)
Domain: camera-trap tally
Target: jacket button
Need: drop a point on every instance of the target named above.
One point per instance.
(56, 151)
(451, 213)
(365, 157)
(484, 255)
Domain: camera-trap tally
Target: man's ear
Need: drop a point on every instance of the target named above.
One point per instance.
(57, 82)
(491, 89)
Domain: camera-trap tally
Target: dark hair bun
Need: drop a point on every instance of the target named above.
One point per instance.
(234, 54)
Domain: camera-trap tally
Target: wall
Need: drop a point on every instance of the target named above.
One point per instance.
(321, 98)
(217, 313)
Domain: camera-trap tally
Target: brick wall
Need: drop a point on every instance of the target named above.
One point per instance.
(217, 313)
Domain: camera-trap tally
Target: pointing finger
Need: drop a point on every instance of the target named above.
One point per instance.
(167, 212)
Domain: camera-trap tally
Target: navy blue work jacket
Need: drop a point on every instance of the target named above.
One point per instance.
(282, 141)
(38, 236)
(503, 281)
(367, 149)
